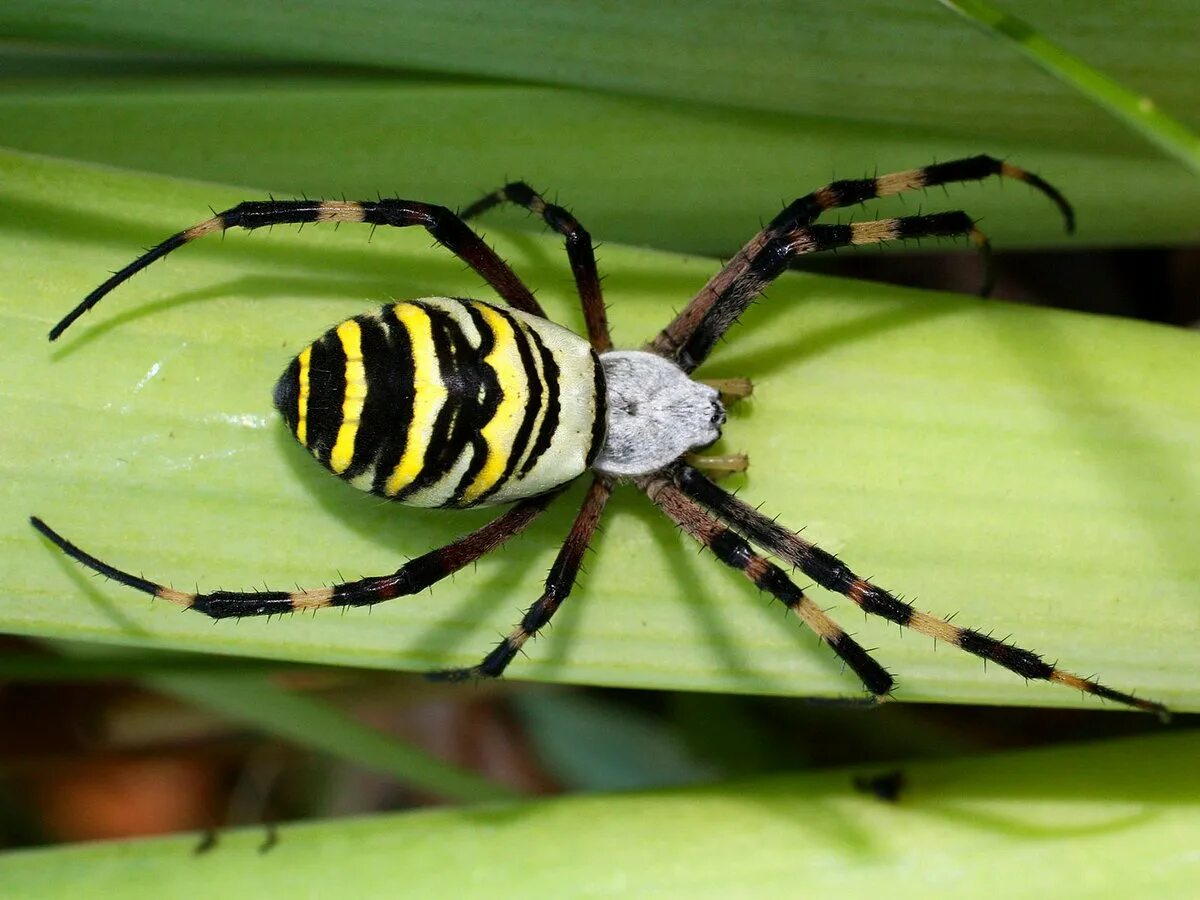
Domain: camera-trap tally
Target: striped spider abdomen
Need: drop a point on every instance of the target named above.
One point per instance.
(444, 402)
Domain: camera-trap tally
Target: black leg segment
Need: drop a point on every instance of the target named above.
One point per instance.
(446, 228)
(734, 551)
(558, 585)
(728, 293)
(580, 252)
(832, 574)
(414, 576)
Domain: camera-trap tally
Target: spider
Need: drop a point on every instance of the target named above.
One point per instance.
(454, 402)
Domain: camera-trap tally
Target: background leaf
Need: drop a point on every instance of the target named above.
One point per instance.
(1139, 112)
(911, 64)
(1036, 471)
(1074, 821)
(652, 121)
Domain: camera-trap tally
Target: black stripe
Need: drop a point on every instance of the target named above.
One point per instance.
(600, 423)
(454, 423)
(287, 394)
(326, 393)
(1025, 663)
(481, 397)
(395, 388)
(545, 434)
(533, 402)
(476, 393)
(1108, 693)
(380, 377)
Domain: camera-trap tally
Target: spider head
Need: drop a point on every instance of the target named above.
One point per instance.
(656, 413)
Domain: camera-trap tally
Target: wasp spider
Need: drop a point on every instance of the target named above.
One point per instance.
(456, 403)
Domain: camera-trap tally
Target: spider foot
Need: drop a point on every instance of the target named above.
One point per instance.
(719, 466)
(731, 389)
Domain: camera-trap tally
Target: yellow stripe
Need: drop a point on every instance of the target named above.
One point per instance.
(302, 400)
(428, 396)
(356, 394)
(501, 431)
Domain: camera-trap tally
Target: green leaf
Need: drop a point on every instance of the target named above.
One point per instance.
(313, 723)
(907, 64)
(590, 743)
(1139, 112)
(1036, 471)
(1081, 821)
(239, 690)
(654, 123)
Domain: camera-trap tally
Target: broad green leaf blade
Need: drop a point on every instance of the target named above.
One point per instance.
(910, 64)
(1140, 113)
(1037, 472)
(663, 175)
(1114, 819)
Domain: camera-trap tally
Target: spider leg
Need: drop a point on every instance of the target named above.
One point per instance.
(411, 578)
(580, 252)
(775, 256)
(558, 585)
(718, 466)
(445, 226)
(729, 292)
(731, 390)
(831, 573)
(733, 550)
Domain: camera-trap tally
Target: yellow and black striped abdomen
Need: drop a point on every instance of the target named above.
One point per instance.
(445, 402)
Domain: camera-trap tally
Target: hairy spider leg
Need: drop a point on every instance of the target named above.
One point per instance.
(734, 551)
(580, 252)
(558, 586)
(832, 574)
(411, 578)
(774, 258)
(445, 226)
(729, 292)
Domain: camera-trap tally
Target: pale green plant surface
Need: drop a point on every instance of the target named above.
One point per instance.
(1075, 821)
(1038, 472)
(1035, 471)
